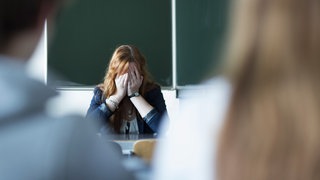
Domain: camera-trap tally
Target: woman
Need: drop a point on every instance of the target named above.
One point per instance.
(128, 101)
(272, 127)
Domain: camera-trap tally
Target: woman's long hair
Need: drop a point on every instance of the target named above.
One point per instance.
(272, 128)
(118, 65)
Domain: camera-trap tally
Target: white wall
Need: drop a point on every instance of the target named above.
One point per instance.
(37, 65)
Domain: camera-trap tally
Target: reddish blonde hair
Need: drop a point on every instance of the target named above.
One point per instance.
(118, 65)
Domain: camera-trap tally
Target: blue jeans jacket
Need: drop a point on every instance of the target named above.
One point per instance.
(150, 124)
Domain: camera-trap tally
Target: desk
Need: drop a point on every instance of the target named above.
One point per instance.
(126, 141)
(133, 163)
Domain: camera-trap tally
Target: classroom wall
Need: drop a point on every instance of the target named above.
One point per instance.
(88, 31)
(182, 42)
(199, 33)
(76, 100)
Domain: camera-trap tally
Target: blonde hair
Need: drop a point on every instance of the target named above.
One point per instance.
(118, 65)
(272, 128)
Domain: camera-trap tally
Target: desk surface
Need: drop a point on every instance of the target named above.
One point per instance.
(126, 141)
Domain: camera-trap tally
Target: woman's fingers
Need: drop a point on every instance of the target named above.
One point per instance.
(121, 85)
(134, 79)
(132, 73)
(125, 80)
(122, 80)
(136, 72)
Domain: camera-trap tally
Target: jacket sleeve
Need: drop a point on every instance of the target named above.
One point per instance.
(154, 117)
(98, 109)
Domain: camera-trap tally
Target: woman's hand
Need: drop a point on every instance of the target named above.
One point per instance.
(135, 79)
(121, 85)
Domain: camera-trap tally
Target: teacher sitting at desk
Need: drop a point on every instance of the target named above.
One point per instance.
(128, 101)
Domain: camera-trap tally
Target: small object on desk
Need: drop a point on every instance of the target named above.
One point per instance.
(126, 141)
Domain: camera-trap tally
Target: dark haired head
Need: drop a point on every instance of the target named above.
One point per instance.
(17, 16)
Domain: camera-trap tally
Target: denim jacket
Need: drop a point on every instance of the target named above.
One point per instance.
(99, 111)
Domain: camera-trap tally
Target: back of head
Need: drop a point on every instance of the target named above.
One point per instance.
(17, 16)
(272, 126)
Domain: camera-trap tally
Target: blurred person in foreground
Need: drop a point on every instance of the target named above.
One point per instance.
(272, 127)
(34, 145)
(268, 98)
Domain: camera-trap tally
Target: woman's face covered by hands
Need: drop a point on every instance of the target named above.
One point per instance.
(134, 79)
(130, 82)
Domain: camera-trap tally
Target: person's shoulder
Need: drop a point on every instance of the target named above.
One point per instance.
(152, 88)
(217, 81)
(152, 85)
(217, 86)
(213, 87)
(209, 99)
(98, 89)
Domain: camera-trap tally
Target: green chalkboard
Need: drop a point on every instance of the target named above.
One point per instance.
(201, 26)
(88, 31)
